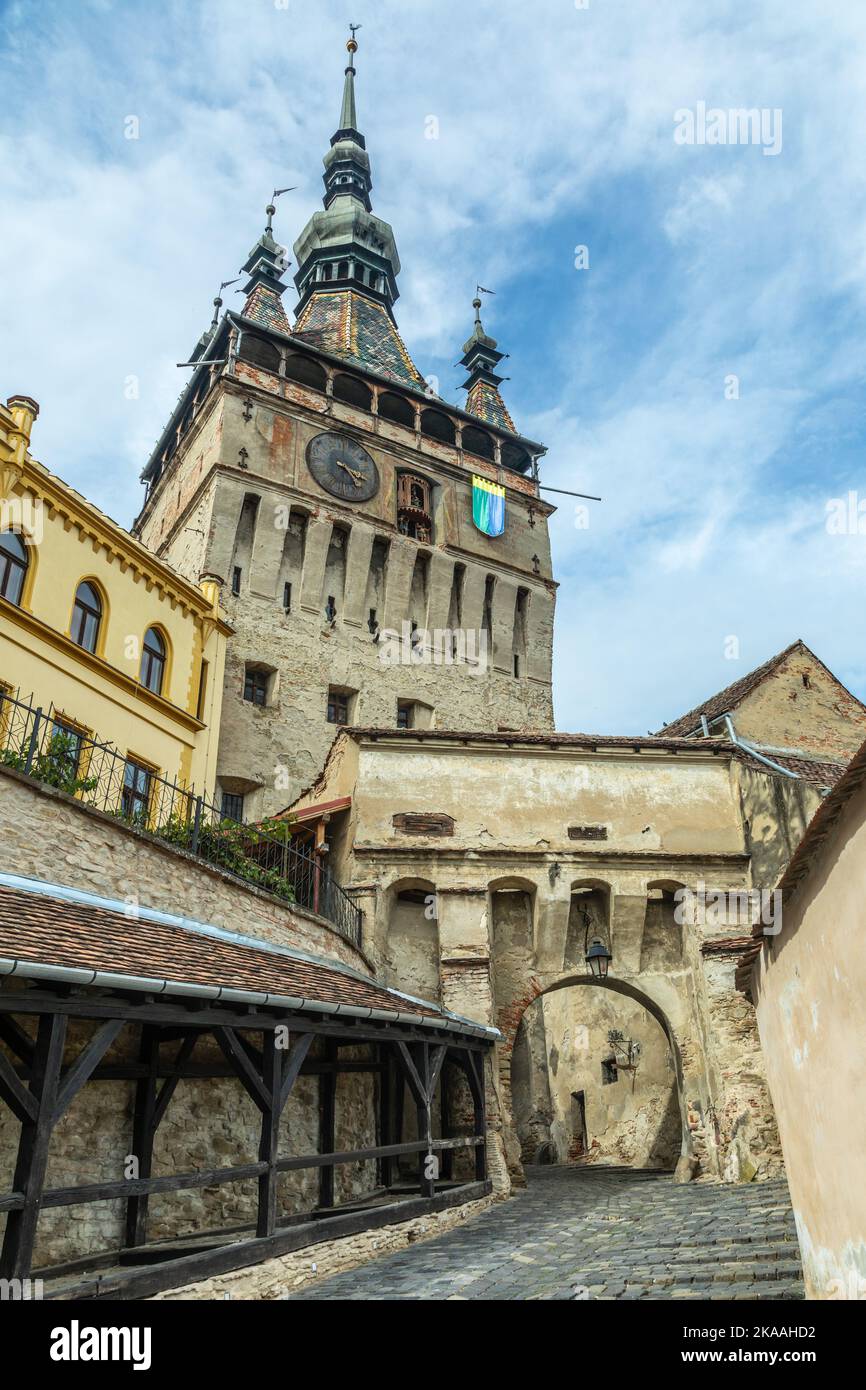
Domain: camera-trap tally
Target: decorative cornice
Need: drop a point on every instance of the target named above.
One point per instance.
(20, 617)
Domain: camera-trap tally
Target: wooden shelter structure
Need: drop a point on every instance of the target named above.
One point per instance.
(275, 1014)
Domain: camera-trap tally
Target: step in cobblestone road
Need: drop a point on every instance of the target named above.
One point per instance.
(608, 1233)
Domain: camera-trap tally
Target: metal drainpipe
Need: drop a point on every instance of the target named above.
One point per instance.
(747, 748)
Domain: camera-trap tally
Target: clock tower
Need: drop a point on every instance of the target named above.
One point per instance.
(383, 555)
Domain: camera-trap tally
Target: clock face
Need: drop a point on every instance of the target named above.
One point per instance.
(342, 467)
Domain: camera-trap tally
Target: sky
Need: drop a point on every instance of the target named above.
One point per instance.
(698, 364)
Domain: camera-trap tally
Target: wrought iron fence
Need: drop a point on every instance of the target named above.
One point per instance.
(44, 744)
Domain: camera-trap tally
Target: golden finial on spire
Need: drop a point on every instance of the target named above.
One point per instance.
(352, 45)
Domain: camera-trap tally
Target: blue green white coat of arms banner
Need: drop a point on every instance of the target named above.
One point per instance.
(488, 506)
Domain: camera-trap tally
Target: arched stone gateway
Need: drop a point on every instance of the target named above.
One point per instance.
(687, 1161)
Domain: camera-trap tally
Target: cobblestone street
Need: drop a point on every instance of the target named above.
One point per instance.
(600, 1233)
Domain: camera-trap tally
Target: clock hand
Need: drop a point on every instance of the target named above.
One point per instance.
(359, 477)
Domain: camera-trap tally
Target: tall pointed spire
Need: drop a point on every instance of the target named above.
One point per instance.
(264, 266)
(348, 118)
(481, 358)
(347, 258)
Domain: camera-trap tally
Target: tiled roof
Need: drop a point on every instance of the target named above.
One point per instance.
(485, 401)
(351, 326)
(534, 737)
(73, 932)
(734, 694)
(811, 770)
(264, 306)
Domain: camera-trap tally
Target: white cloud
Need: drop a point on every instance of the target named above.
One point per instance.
(113, 250)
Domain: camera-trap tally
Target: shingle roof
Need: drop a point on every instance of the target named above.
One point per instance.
(360, 330)
(812, 770)
(731, 696)
(75, 932)
(485, 401)
(264, 306)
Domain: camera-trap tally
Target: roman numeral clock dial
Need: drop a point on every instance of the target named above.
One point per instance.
(342, 467)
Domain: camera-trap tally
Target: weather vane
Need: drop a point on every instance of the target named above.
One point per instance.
(271, 208)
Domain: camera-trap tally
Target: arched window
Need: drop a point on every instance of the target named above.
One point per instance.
(514, 457)
(153, 661)
(13, 565)
(396, 408)
(306, 371)
(437, 426)
(259, 352)
(478, 442)
(353, 391)
(86, 617)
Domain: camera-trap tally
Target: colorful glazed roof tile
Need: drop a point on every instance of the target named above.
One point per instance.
(485, 401)
(359, 329)
(265, 307)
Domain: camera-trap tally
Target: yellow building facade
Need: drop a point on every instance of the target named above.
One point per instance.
(107, 640)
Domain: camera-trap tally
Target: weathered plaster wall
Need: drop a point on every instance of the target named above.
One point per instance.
(561, 1044)
(775, 812)
(809, 985)
(301, 536)
(801, 705)
(509, 884)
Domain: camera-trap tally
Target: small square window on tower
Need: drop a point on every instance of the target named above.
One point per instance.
(258, 684)
(340, 705)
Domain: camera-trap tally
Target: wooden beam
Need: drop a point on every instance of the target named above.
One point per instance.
(419, 1146)
(24, 1105)
(292, 1066)
(425, 1120)
(32, 1159)
(126, 1187)
(143, 1130)
(252, 1081)
(16, 1039)
(169, 1087)
(437, 1058)
(272, 1077)
(475, 1065)
(386, 1116)
(416, 1083)
(327, 1127)
(82, 1068)
(204, 1014)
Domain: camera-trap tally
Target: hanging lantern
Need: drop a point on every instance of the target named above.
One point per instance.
(598, 958)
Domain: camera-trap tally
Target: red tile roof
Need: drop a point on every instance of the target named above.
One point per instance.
(39, 929)
(734, 694)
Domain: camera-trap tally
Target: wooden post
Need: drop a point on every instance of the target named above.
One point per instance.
(425, 1125)
(143, 1132)
(327, 1123)
(476, 1072)
(386, 1115)
(446, 1157)
(399, 1110)
(272, 1077)
(32, 1161)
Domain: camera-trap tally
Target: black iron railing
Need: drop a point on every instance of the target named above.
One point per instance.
(45, 745)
